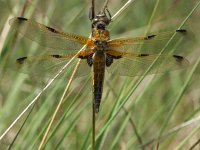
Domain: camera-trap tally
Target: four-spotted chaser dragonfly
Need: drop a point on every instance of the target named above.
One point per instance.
(117, 56)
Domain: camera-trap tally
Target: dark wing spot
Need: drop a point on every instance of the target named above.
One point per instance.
(21, 60)
(150, 37)
(82, 57)
(52, 29)
(143, 55)
(117, 57)
(21, 18)
(89, 60)
(56, 56)
(178, 58)
(181, 30)
(114, 56)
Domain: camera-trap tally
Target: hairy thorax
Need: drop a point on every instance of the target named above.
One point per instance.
(100, 35)
(100, 38)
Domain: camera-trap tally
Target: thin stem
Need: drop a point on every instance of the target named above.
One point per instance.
(11, 145)
(134, 128)
(195, 144)
(104, 6)
(58, 107)
(122, 9)
(152, 16)
(93, 125)
(186, 83)
(174, 129)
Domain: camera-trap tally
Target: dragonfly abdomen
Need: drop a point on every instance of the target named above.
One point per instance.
(98, 67)
(97, 91)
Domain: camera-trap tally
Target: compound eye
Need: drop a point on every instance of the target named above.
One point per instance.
(106, 20)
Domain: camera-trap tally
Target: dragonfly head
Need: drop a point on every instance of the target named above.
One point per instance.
(101, 21)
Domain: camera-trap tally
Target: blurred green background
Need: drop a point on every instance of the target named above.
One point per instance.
(153, 105)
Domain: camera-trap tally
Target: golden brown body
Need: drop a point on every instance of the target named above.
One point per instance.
(100, 38)
(98, 70)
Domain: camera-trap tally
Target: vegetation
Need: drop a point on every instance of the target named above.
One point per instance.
(151, 111)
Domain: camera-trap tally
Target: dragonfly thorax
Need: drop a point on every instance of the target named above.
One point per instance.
(100, 46)
(100, 38)
(100, 43)
(100, 35)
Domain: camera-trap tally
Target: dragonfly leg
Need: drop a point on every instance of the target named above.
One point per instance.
(109, 60)
(90, 60)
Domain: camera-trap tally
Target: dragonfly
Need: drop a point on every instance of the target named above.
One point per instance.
(99, 52)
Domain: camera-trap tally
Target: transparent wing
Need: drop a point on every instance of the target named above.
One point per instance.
(148, 44)
(47, 36)
(50, 65)
(136, 65)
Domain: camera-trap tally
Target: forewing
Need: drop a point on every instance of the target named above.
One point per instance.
(147, 44)
(136, 65)
(47, 36)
